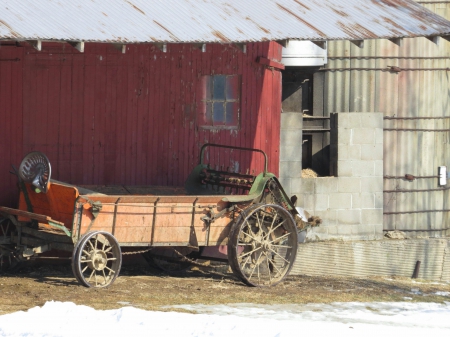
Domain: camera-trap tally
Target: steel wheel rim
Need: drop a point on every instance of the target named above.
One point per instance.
(263, 245)
(98, 260)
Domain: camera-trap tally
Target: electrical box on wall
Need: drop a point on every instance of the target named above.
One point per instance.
(442, 175)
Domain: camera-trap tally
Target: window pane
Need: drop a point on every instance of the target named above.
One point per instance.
(218, 113)
(208, 84)
(232, 112)
(232, 88)
(219, 87)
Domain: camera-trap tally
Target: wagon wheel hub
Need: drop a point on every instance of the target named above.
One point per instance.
(266, 245)
(98, 260)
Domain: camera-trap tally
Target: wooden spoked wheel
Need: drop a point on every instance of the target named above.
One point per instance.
(10, 257)
(97, 259)
(262, 245)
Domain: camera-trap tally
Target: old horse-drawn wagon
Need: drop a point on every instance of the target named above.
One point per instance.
(245, 219)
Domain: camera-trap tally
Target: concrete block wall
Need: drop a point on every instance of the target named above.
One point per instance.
(290, 149)
(350, 202)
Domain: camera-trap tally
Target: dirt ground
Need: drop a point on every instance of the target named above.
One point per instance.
(143, 287)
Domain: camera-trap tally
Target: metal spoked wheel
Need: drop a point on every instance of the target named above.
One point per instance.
(97, 259)
(262, 245)
(169, 259)
(10, 257)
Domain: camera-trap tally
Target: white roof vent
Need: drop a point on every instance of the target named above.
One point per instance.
(304, 53)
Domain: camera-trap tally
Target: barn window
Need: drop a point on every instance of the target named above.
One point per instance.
(220, 103)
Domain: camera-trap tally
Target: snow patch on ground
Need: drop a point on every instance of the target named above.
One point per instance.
(246, 319)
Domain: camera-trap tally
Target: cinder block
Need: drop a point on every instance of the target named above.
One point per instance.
(345, 168)
(379, 136)
(372, 216)
(296, 186)
(286, 183)
(290, 153)
(308, 185)
(378, 168)
(343, 151)
(363, 168)
(340, 201)
(308, 203)
(291, 120)
(378, 199)
(344, 136)
(321, 202)
(363, 136)
(344, 229)
(354, 120)
(363, 200)
(372, 184)
(354, 152)
(363, 230)
(349, 217)
(290, 169)
(329, 217)
(332, 230)
(372, 119)
(291, 138)
(378, 230)
(349, 184)
(325, 185)
(372, 151)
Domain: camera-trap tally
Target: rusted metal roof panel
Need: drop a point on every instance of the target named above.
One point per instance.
(176, 21)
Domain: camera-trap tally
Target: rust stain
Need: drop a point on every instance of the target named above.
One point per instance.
(220, 36)
(104, 14)
(168, 31)
(303, 5)
(393, 23)
(338, 12)
(11, 30)
(136, 8)
(240, 31)
(322, 34)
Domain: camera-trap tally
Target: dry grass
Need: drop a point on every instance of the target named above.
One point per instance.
(148, 289)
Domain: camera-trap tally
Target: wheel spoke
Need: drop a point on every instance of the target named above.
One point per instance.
(90, 243)
(111, 259)
(96, 241)
(107, 250)
(281, 246)
(279, 255)
(273, 264)
(252, 237)
(112, 271)
(93, 272)
(84, 269)
(256, 264)
(280, 237)
(252, 251)
(274, 229)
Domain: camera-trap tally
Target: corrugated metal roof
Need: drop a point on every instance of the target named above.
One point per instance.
(175, 21)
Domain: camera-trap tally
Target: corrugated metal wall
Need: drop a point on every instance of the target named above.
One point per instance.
(103, 117)
(422, 90)
(381, 258)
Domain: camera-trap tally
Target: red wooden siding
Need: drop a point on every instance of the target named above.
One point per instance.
(103, 117)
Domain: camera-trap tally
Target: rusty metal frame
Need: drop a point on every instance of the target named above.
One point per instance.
(234, 148)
